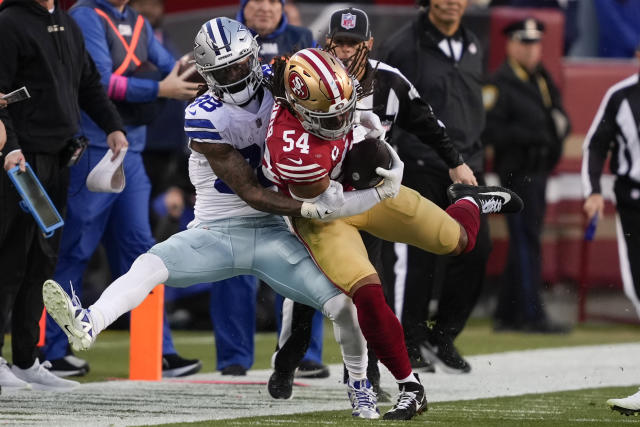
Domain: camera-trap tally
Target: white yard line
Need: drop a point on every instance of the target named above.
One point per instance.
(122, 403)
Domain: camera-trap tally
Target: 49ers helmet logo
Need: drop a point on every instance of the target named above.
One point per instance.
(298, 86)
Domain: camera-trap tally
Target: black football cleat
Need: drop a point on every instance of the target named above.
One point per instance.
(490, 199)
(174, 365)
(412, 401)
(234, 370)
(280, 385)
(443, 353)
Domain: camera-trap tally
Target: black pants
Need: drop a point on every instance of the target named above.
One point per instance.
(628, 206)
(519, 299)
(27, 259)
(461, 277)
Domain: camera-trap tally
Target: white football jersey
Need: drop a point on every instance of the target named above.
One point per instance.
(208, 120)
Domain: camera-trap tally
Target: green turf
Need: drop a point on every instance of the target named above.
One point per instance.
(570, 408)
(109, 357)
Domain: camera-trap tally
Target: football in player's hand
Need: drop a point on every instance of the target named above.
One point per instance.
(188, 69)
(362, 160)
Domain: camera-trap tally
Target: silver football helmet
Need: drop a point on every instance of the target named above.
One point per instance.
(226, 56)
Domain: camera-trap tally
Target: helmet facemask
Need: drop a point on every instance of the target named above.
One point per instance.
(331, 125)
(320, 93)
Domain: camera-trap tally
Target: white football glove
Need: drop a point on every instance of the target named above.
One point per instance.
(371, 121)
(390, 187)
(325, 204)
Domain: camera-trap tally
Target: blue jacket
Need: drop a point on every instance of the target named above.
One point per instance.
(286, 38)
(123, 88)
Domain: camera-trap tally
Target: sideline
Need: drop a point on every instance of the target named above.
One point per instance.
(203, 397)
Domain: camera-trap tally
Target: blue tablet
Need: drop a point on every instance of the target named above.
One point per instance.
(35, 200)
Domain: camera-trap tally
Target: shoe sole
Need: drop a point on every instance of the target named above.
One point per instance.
(57, 303)
(43, 387)
(182, 371)
(64, 374)
(372, 417)
(625, 411)
(316, 373)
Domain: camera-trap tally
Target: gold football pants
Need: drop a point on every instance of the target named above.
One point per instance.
(409, 218)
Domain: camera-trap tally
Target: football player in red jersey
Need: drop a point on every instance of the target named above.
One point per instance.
(309, 135)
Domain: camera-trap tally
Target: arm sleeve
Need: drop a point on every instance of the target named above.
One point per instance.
(9, 55)
(417, 117)
(355, 202)
(597, 144)
(119, 88)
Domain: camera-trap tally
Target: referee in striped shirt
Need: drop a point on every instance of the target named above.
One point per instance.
(616, 128)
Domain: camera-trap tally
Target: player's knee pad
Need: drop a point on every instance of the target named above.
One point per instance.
(347, 333)
(338, 308)
(150, 267)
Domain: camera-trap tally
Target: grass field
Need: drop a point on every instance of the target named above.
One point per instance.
(575, 408)
(109, 359)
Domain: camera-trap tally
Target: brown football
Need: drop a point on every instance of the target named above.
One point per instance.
(362, 160)
(188, 67)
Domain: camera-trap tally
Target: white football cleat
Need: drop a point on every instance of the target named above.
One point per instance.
(68, 313)
(627, 405)
(363, 399)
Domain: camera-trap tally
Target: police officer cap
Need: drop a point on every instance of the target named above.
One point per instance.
(528, 30)
(350, 23)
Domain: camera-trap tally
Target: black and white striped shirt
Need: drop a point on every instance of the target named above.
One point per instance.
(615, 128)
(397, 103)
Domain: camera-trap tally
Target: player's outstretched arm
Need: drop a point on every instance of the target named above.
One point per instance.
(331, 202)
(231, 167)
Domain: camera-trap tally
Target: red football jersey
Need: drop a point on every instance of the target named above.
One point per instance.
(294, 156)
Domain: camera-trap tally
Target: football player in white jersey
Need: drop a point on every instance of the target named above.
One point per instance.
(232, 234)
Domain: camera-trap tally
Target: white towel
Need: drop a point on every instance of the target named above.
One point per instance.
(108, 176)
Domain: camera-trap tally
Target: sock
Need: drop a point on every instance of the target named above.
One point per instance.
(357, 377)
(341, 311)
(410, 379)
(129, 290)
(382, 330)
(467, 214)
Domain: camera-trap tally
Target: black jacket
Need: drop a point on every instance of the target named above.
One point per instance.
(399, 105)
(453, 89)
(45, 52)
(520, 124)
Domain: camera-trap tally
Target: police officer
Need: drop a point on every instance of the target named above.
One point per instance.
(526, 124)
